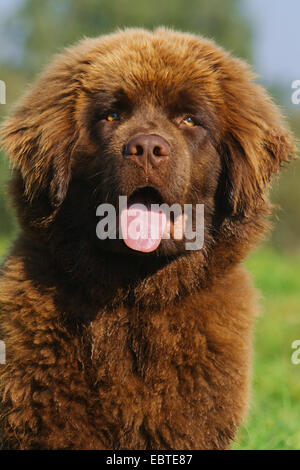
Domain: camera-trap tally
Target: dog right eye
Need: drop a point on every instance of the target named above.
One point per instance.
(112, 117)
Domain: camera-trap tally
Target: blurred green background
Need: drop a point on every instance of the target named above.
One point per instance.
(31, 31)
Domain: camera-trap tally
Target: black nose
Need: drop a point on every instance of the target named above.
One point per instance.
(147, 151)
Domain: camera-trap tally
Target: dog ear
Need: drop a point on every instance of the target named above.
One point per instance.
(40, 135)
(255, 141)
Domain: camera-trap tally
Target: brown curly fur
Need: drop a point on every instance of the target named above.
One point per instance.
(107, 349)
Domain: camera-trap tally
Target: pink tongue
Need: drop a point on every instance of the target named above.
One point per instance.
(142, 228)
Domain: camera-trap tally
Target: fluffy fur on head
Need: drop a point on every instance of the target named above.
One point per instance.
(108, 348)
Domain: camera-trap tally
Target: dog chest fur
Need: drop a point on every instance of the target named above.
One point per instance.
(131, 378)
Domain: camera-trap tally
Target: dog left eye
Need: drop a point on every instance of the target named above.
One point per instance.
(189, 121)
(112, 117)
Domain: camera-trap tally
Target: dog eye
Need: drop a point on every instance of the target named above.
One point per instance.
(112, 117)
(189, 121)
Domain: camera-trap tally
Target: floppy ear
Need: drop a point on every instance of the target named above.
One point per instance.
(40, 135)
(255, 141)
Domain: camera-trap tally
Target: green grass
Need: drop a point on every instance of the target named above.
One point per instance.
(273, 421)
(4, 246)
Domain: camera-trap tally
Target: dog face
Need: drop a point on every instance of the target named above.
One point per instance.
(160, 117)
(148, 134)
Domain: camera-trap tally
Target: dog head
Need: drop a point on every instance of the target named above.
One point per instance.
(158, 117)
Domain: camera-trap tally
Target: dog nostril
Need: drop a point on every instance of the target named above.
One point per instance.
(157, 151)
(139, 150)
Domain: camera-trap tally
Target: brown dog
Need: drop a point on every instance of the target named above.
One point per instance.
(113, 344)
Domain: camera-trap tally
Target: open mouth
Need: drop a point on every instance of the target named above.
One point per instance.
(146, 195)
(145, 222)
(142, 222)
